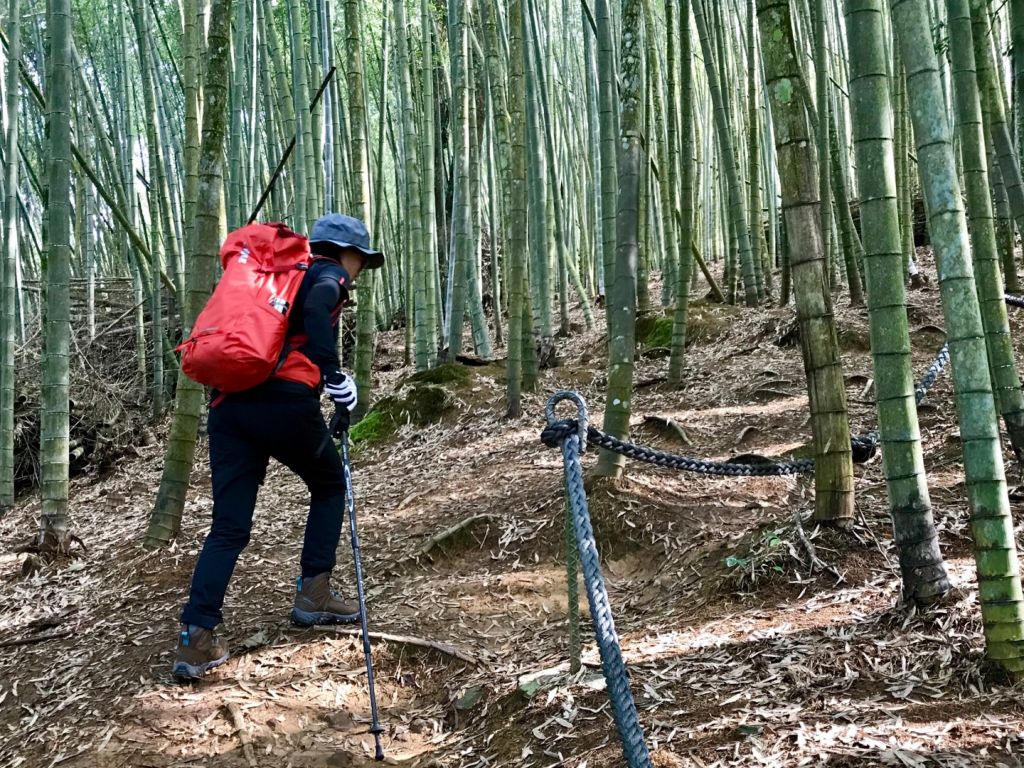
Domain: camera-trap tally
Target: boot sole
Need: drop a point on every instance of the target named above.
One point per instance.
(311, 618)
(186, 672)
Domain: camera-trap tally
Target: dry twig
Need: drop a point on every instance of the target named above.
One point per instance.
(812, 553)
(235, 715)
(439, 539)
(419, 642)
(34, 639)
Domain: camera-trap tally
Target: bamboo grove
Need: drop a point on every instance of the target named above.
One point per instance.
(521, 160)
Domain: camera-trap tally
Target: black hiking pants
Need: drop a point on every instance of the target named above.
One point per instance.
(246, 430)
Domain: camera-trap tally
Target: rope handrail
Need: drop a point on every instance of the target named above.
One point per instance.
(624, 711)
(864, 446)
(574, 436)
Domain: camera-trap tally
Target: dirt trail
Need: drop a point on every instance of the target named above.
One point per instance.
(739, 654)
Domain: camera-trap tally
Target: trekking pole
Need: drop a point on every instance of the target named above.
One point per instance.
(341, 418)
(288, 152)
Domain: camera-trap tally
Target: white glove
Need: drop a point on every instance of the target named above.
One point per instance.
(341, 389)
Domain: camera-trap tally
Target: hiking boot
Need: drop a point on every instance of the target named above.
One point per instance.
(199, 651)
(317, 603)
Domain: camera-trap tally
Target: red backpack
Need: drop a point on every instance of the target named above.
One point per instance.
(238, 339)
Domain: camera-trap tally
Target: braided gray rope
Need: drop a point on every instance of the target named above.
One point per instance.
(868, 443)
(1014, 300)
(623, 707)
(863, 446)
(937, 367)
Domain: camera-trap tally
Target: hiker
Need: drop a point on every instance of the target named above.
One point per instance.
(281, 418)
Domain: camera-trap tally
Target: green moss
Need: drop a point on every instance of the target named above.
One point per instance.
(644, 325)
(420, 404)
(653, 331)
(449, 373)
(661, 336)
(374, 426)
(425, 404)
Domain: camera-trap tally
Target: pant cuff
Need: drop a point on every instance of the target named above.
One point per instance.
(311, 572)
(191, 616)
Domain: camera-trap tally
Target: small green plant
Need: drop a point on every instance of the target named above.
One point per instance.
(767, 554)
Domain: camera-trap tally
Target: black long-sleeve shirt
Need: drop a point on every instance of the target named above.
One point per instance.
(324, 291)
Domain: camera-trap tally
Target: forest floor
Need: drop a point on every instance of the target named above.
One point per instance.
(740, 651)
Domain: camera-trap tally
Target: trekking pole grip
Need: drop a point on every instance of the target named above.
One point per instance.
(341, 419)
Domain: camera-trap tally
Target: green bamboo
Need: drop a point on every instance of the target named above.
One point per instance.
(303, 213)
(282, 87)
(165, 519)
(274, 126)
(595, 199)
(416, 302)
(686, 172)
(1005, 380)
(917, 544)
(622, 298)
(852, 247)
(904, 175)
(833, 473)
(666, 108)
(1003, 221)
(461, 206)
(158, 207)
(516, 225)
(1002, 603)
(359, 201)
(1017, 55)
(539, 217)
(608, 106)
(330, 104)
(8, 260)
(234, 167)
(822, 107)
(428, 212)
(474, 278)
(558, 204)
(497, 79)
(754, 150)
(994, 109)
(190, 62)
(737, 202)
(54, 535)
(494, 219)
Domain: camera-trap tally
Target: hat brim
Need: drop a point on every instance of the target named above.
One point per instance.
(374, 259)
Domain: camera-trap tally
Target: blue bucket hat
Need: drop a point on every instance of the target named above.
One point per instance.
(346, 232)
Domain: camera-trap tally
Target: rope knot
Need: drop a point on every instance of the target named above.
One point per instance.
(553, 434)
(581, 421)
(864, 447)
